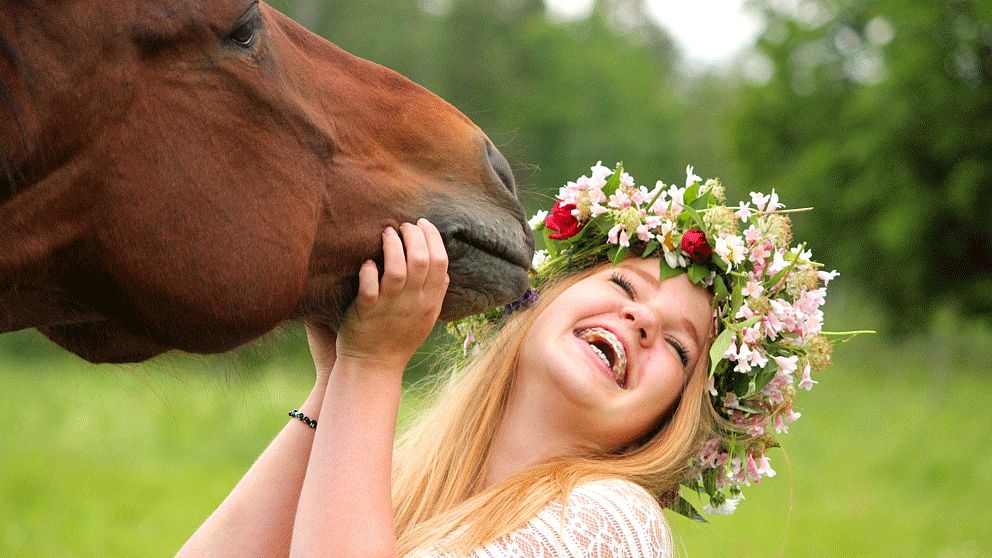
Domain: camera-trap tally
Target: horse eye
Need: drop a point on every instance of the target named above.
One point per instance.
(245, 35)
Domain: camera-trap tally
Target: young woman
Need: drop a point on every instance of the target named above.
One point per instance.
(663, 350)
(539, 415)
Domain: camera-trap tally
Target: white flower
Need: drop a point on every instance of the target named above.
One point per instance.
(677, 196)
(537, 220)
(690, 178)
(804, 255)
(726, 508)
(540, 260)
(731, 249)
(778, 264)
(773, 202)
(599, 172)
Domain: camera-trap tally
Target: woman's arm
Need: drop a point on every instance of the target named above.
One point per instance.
(345, 507)
(256, 518)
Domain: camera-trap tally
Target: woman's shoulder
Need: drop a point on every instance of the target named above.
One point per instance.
(618, 514)
(618, 499)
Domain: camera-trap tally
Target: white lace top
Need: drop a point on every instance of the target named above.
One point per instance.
(604, 519)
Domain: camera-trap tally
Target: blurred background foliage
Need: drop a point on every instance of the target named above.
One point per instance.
(877, 113)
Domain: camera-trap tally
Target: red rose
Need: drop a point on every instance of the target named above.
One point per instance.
(562, 221)
(694, 244)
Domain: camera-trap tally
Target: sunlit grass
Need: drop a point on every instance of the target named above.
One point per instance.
(891, 457)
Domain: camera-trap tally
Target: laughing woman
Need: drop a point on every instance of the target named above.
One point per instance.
(578, 417)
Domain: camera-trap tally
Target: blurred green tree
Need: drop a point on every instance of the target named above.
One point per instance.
(880, 115)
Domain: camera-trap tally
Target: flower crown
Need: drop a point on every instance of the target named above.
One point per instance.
(767, 299)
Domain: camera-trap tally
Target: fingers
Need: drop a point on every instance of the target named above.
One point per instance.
(368, 286)
(437, 276)
(416, 262)
(394, 264)
(417, 257)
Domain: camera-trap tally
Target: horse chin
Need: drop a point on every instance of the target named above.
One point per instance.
(480, 281)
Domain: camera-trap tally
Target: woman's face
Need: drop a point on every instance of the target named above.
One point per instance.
(613, 352)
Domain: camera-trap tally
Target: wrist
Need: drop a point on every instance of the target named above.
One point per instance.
(381, 365)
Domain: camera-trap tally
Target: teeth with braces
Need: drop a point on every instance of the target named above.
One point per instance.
(619, 367)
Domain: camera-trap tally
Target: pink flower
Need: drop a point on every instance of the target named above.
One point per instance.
(743, 212)
(765, 467)
(750, 335)
(759, 200)
(643, 232)
(730, 401)
(756, 427)
(827, 276)
(752, 234)
(731, 352)
(753, 288)
(786, 365)
(807, 382)
(619, 200)
(752, 469)
(618, 235)
(743, 359)
(757, 358)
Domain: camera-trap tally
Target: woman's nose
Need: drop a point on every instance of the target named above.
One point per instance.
(644, 320)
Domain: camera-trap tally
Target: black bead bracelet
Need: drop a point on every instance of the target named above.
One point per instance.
(295, 413)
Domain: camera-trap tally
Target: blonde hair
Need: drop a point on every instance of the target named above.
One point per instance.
(440, 459)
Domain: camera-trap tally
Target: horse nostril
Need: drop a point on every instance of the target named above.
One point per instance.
(501, 167)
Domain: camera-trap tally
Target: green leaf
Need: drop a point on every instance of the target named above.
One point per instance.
(765, 375)
(666, 271)
(650, 248)
(719, 347)
(682, 506)
(617, 254)
(613, 182)
(720, 288)
(697, 273)
(550, 245)
(719, 263)
(691, 193)
(695, 217)
(709, 482)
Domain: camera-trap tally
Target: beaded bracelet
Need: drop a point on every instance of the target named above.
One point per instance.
(295, 413)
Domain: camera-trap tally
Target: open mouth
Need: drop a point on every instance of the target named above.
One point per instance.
(608, 347)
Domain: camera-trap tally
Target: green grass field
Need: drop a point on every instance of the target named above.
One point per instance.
(891, 458)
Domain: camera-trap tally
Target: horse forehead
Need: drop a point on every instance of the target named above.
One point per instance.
(171, 19)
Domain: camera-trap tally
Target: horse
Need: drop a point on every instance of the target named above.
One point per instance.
(187, 175)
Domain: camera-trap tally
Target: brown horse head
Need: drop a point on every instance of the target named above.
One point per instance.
(180, 174)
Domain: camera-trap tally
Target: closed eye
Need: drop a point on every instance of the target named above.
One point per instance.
(680, 349)
(624, 284)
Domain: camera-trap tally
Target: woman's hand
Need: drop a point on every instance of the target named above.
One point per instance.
(389, 321)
